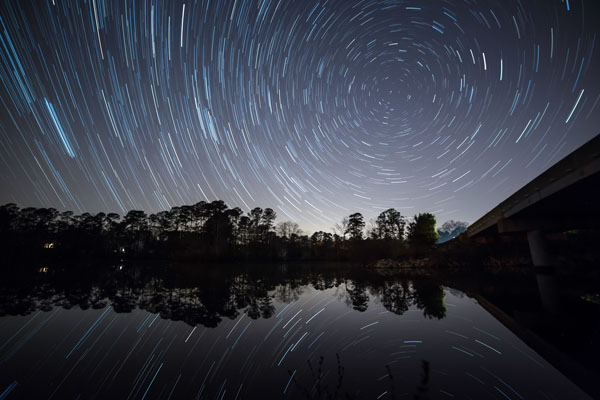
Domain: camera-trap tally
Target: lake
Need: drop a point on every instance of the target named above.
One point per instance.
(258, 331)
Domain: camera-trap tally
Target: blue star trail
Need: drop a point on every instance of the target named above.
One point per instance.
(315, 109)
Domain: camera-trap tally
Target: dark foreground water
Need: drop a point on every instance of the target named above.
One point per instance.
(286, 332)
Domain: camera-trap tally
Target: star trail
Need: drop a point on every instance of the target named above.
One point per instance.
(316, 109)
(263, 343)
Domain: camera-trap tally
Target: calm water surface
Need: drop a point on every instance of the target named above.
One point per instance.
(290, 332)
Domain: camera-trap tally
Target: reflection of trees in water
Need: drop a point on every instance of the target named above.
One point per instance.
(286, 292)
(357, 295)
(429, 296)
(252, 296)
(324, 282)
(207, 296)
(396, 296)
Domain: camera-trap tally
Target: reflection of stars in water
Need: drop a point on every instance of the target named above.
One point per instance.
(316, 109)
(401, 336)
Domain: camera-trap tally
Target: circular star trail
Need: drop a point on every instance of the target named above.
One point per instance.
(316, 109)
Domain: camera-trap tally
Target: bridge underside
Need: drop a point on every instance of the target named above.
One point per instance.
(563, 198)
(576, 207)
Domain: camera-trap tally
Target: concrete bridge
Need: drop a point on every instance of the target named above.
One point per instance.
(564, 197)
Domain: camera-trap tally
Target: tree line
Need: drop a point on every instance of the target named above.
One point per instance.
(210, 231)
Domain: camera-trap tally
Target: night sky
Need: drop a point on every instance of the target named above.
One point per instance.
(315, 109)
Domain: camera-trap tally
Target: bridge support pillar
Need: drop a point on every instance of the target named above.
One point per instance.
(545, 274)
(538, 249)
(548, 289)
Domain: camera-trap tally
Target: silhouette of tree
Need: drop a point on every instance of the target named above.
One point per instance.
(421, 230)
(267, 221)
(199, 214)
(135, 221)
(288, 228)
(112, 219)
(390, 225)
(135, 229)
(356, 224)
(341, 228)
(218, 230)
(261, 223)
(244, 230)
(160, 224)
(9, 215)
(321, 238)
(255, 224)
